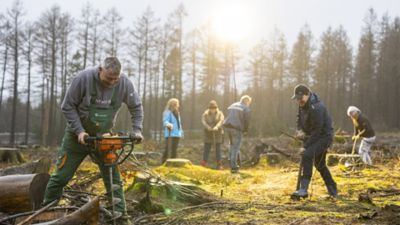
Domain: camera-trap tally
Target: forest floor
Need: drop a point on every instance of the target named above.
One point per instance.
(260, 194)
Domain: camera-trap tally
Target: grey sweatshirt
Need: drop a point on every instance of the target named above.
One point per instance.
(75, 105)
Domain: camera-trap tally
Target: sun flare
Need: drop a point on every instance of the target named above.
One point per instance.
(231, 22)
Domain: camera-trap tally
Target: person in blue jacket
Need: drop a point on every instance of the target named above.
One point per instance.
(172, 129)
(314, 126)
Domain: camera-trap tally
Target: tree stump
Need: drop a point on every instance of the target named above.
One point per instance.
(178, 163)
(21, 193)
(11, 155)
(156, 195)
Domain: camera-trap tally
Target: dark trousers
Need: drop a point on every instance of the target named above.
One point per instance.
(207, 148)
(171, 145)
(315, 155)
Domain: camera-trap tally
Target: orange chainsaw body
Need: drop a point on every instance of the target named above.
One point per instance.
(109, 147)
(109, 144)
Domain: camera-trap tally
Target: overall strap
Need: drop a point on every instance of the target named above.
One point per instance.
(93, 92)
(113, 98)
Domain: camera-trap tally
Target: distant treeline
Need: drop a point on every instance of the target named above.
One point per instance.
(38, 59)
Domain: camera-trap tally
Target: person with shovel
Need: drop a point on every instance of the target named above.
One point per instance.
(89, 107)
(172, 129)
(315, 129)
(212, 120)
(362, 128)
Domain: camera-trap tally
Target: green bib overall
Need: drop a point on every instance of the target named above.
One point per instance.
(100, 119)
(72, 153)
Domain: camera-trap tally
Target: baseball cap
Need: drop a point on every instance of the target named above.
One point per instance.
(300, 90)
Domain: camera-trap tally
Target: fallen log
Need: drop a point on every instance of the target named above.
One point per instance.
(88, 213)
(41, 166)
(280, 151)
(20, 193)
(178, 162)
(31, 217)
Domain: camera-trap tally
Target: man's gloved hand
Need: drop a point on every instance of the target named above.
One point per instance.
(300, 135)
(81, 137)
(215, 129)
(301, 151)
(170, 126)
(137, 137)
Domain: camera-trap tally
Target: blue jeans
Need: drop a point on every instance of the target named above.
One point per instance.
(235, 139)
(207, 148)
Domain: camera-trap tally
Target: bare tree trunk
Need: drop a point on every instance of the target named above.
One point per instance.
(15, 94)
(50, 140)
(28, 99)
(4, 69)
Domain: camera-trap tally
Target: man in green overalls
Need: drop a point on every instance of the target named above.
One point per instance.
(90, 105)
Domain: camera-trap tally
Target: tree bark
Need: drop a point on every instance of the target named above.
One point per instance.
(87, 213)
(19, 193)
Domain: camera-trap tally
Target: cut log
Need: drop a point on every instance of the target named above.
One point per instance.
(20, 193)
(178, 163)
(41, 166)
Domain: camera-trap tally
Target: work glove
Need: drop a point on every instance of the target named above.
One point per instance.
(301, 151)
(300, 135)
(136, 137)
(215, 129)
(170, 126)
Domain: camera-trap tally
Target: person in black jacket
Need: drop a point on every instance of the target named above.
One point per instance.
(314, 126)
(362, 128)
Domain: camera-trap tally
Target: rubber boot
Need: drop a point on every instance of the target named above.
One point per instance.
(332, 190)
(302, 192)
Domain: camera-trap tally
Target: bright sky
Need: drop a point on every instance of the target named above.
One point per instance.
(255, 19)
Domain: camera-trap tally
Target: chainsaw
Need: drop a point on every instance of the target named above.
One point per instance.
(113, 150)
